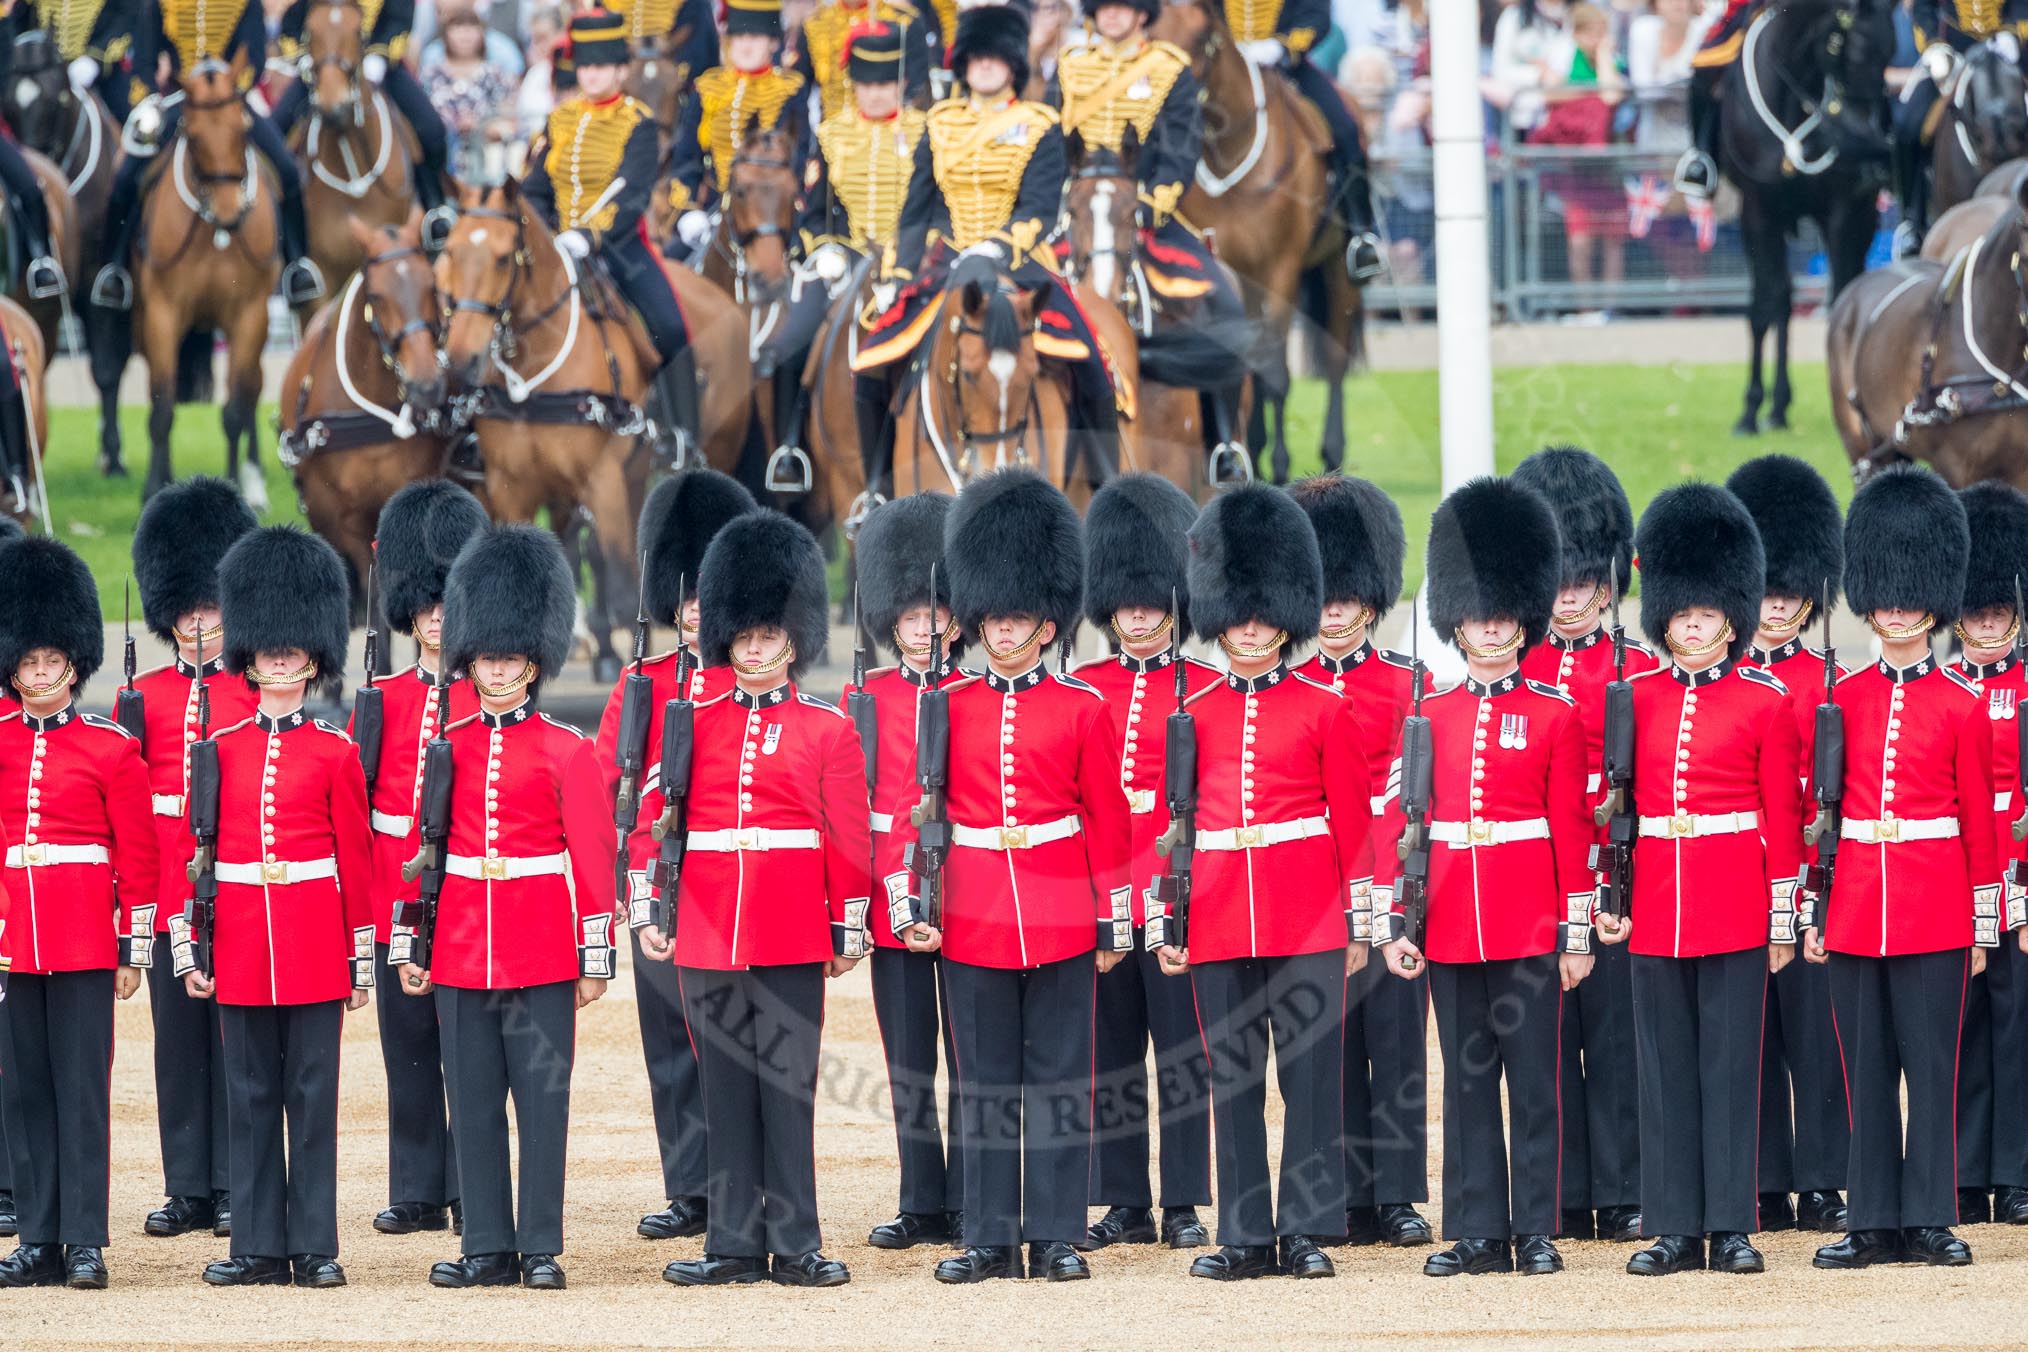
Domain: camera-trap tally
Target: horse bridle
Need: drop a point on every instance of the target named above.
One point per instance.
(390, 344)
(1000, 436)
(504, 344)
(204, 179)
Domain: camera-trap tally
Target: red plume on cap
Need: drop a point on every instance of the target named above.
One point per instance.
(865, 28)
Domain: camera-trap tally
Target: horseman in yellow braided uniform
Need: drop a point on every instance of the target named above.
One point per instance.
(387, 24)
(1944, 31)
(94, 38)
(591, 175)
(193, 32)
(822, 40)
(682, 31)
(750, 89)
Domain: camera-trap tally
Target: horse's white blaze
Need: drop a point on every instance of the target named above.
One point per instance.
(1104, 244)
(1000, 365)
(479, 235)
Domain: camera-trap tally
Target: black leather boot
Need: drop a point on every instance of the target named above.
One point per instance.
(683, 1217)
(716, 1270)
(1861, 1248)
(911, 1228)
(1122, 1225)
(84, 1268)
(1935, 1246)
(979, 1264)
(1235, 1262)
(1776, 1211)
(32, 1265)
(1057, 1261)
(1820, 1211)
(408, 1218)
(179, 1216)
(317, 1272)
(248, 1270)
(1734, 1252)
(1670, 1253)
(541, 1272)
(477, 1269)
(809, 1269)
(1403, 1226)
(1470, 1258)
(1536, 1256)
(1181, 1229)
(1300, 1257)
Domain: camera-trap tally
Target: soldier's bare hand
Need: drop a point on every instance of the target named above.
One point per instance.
(1356, 954)
(1177, 960)
(198, 985)
(414, 980)
(1779, 956)
(356, 1001)
(922, 939)
(655, 945)
(126, 980)
(1978, 960)
(1108, 959)
(1404, 959)
(1813, 946)
(1573, 968)
(589, 988)
(2021, 938)
(1614, 929)
(839, 966)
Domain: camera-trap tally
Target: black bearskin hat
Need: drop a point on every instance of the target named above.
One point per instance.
(509, 591)
(421, 530)
(183, 532)
(1699, 547)
(47, 601)
(10, 529)
(1997, 514)
(763, 569)
(1802, 530)
(1906, 545)
(1592, 514)
(1137, 548)
(1253, 556)
(1359, 538)
(992, 30)
(677, 522)
(1493, 553)
(1014, 546)
(898, 545)
(280, 587)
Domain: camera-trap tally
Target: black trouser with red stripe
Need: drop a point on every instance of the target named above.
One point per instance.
(1138, 1004)
(56, 1061)
(1975, 1086)
(757, 1032)
(281, 1068)
(1805, 1131)
(2007, 992)
(1600, 1088)
(1898, 1019)
(1499, 1020)
(190, 1099)
(1386, 1087)
(1697, 1033)
(1024, 1042)
(672, 1075)
(422, 1163)
(910, 1012)
(1297, 1004)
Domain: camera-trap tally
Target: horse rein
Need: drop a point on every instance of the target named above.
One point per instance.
(390, 344)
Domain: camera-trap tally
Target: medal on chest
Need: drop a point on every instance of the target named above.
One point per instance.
(772, 740)
(2000, 704)
(1513, 731)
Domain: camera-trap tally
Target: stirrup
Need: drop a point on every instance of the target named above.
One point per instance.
(862, 507)
(1696, 176)
(1906, 241)
(113, 288)
(436, 227)
(45, 278)
(1364, 269)
(1229, 464)
(789, 471)
(302, 282)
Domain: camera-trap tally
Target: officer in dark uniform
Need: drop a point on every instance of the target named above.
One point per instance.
(829, 30)
(750, 89)
(682, 31)
(95, 38)
(1945, 31)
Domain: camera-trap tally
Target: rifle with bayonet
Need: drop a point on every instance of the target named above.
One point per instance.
(1827, 775)
(193, 945)
(1418, 779)
(630, 753)
(129, 706)
(1169, 890)
(1613, 858)
(368, 708)
(414, 936)
(679, 741)
(860, 706)
(931, 816)
(2017, 872)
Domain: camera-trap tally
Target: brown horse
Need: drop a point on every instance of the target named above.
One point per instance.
(354, 149)
(207, 260)
(363, 399)
(1982, 125)
(1925, 360)
(657, 79)
(27, 502)
(1962, 224)
(63, 240)
(2002, 180)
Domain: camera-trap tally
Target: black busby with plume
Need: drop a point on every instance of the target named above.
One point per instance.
(992, 30)
(183, 532)
(1592, 513)
(1137, 548)
(899, 545)
(279, 588)
(677, 522)
(1698, 546)
(1494, 553)
(47, 600)
(1802, 530)
(510, 591)
(1906, 545)
(763, 570)
(421, 530)
(754, 16)
(1359, 538)
(1997, 515)
(1014, 546)
(1253, 556)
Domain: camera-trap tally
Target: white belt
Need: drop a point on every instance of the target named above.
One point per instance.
(390, 825)
(277, 874)
(1141, 802)
(1377, 804)
(1592, 782)
(2003, 800)
(1682, 824)
(1459, 835)
(1894, 830)
(168, 804)
(496, 869)
(1261, 834)
(733, 839)
(45, 856)
(880, 821)
(1016, 837)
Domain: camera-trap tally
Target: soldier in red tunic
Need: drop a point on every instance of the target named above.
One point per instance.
(1360, 540)
(1805, 1136)
(772, 900)
(1601, 1103)
(1136, 536)
(523, 934)
(1718, 845)
(1992, 1097)
(1508, 933)
(80, 848)
(1275, 921)
(183, 532)
(293, 945)
(678, 522)
(899, 547)
(1915, 902)
(421, 529)
(1036, 879)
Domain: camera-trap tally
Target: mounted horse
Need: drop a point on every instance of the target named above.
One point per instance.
(1982, 124)
(24, 491)
(1803, 141)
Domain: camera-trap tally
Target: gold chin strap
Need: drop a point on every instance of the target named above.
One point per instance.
(775, 663)
(923, 649)
(1345, 631)
(1786, 628)
(1168, 623)
(528, 673)
(1585, 611)
(2005, 640)
(1245, 653)
(208, 637)
(1489, 654)
(430, 645)
(684, 627)
(1916, 630)
(306, 672)
(1023, 646)
(1699, 650)
(62, 681)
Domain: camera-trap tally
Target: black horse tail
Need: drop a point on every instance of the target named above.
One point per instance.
(195, 383)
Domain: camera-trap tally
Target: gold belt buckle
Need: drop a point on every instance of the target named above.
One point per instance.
(1681, 824)
(1013, 837)
(1247, 837)
(746, 838)
(276, 873)
(494, 869)
(1481, 833)
(1889, 830)
(32, 856)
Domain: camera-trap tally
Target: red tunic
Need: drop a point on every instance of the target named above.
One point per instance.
(1918, 771)
(1380, 686)
(895, 691)
(1720, 808)
(705, 683)
(290, 793)
(528, 881)
(1582, 668)
(73, 785)
(778, 852)
(169, 701)
(408, 721)
(1278, 756)
(1037, 755)
(1142, 693)
(2002, 685)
